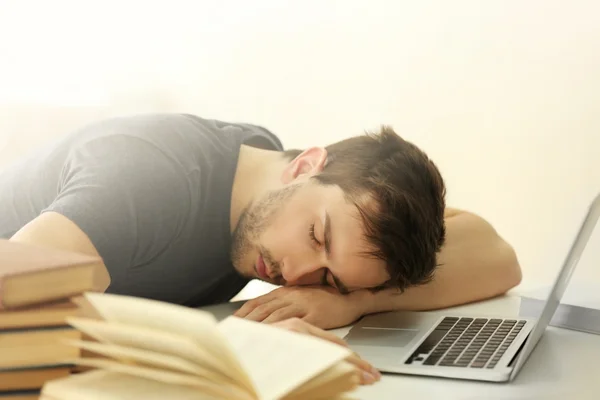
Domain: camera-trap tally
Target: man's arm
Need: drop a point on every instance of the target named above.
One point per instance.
(114, 199)
(55, 230)
(475, 264)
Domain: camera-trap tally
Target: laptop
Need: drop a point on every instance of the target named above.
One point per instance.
(483, 348)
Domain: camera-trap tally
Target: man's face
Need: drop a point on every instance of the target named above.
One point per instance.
(305, 234)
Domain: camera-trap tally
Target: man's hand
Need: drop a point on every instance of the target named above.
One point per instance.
(320, 306)
(368, 374)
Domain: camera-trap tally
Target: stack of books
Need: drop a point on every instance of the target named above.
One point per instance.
(39, 287)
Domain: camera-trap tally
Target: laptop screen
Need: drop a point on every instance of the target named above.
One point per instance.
(562, 280)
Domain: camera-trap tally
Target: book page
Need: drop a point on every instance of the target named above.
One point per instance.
(277, 360)
(106, 385)
(155, 314)
(342, 377)
(199, 325)
(155, 341)
(152, 359)
(173, 379)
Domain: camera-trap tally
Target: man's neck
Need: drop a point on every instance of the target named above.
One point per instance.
(258, 171)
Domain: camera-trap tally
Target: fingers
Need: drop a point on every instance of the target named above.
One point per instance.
(313, 330)
(300, 326)
(250, 305)
(283, 314)
(264, 310)
(368, 374)
(245, 309)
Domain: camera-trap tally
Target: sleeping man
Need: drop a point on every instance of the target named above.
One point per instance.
(188, 210)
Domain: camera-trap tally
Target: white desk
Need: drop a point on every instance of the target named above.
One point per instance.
(564, 365)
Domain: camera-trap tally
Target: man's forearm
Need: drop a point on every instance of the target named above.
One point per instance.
(51, 229)
(475, 264)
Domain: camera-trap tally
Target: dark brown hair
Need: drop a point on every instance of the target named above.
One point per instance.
(400, 196)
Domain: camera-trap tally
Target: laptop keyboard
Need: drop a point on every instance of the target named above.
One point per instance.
(467, 342)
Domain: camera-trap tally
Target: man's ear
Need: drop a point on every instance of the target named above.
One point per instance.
(308, 163)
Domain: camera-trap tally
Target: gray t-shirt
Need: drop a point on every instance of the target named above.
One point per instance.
(151, 191)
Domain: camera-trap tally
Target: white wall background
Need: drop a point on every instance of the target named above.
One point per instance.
(504, 95)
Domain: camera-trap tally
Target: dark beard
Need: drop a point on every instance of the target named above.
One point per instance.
(253, 221)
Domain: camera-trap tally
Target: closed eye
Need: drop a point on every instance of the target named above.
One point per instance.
(311, 233)
(337, 284)
(324, 281)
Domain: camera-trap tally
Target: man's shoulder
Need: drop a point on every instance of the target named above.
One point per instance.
(251, 133)
(172, 129)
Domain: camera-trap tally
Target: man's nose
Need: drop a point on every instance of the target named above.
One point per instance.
(301, 272)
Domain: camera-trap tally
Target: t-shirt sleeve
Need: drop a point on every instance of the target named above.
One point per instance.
(129, 197)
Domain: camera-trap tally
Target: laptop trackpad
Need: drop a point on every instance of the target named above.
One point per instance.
(369, 336)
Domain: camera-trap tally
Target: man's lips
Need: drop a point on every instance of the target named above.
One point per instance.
(261, 268)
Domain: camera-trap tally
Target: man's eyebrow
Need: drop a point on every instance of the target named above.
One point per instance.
(327, 235)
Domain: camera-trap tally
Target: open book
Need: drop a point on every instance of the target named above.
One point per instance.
(153, 350)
